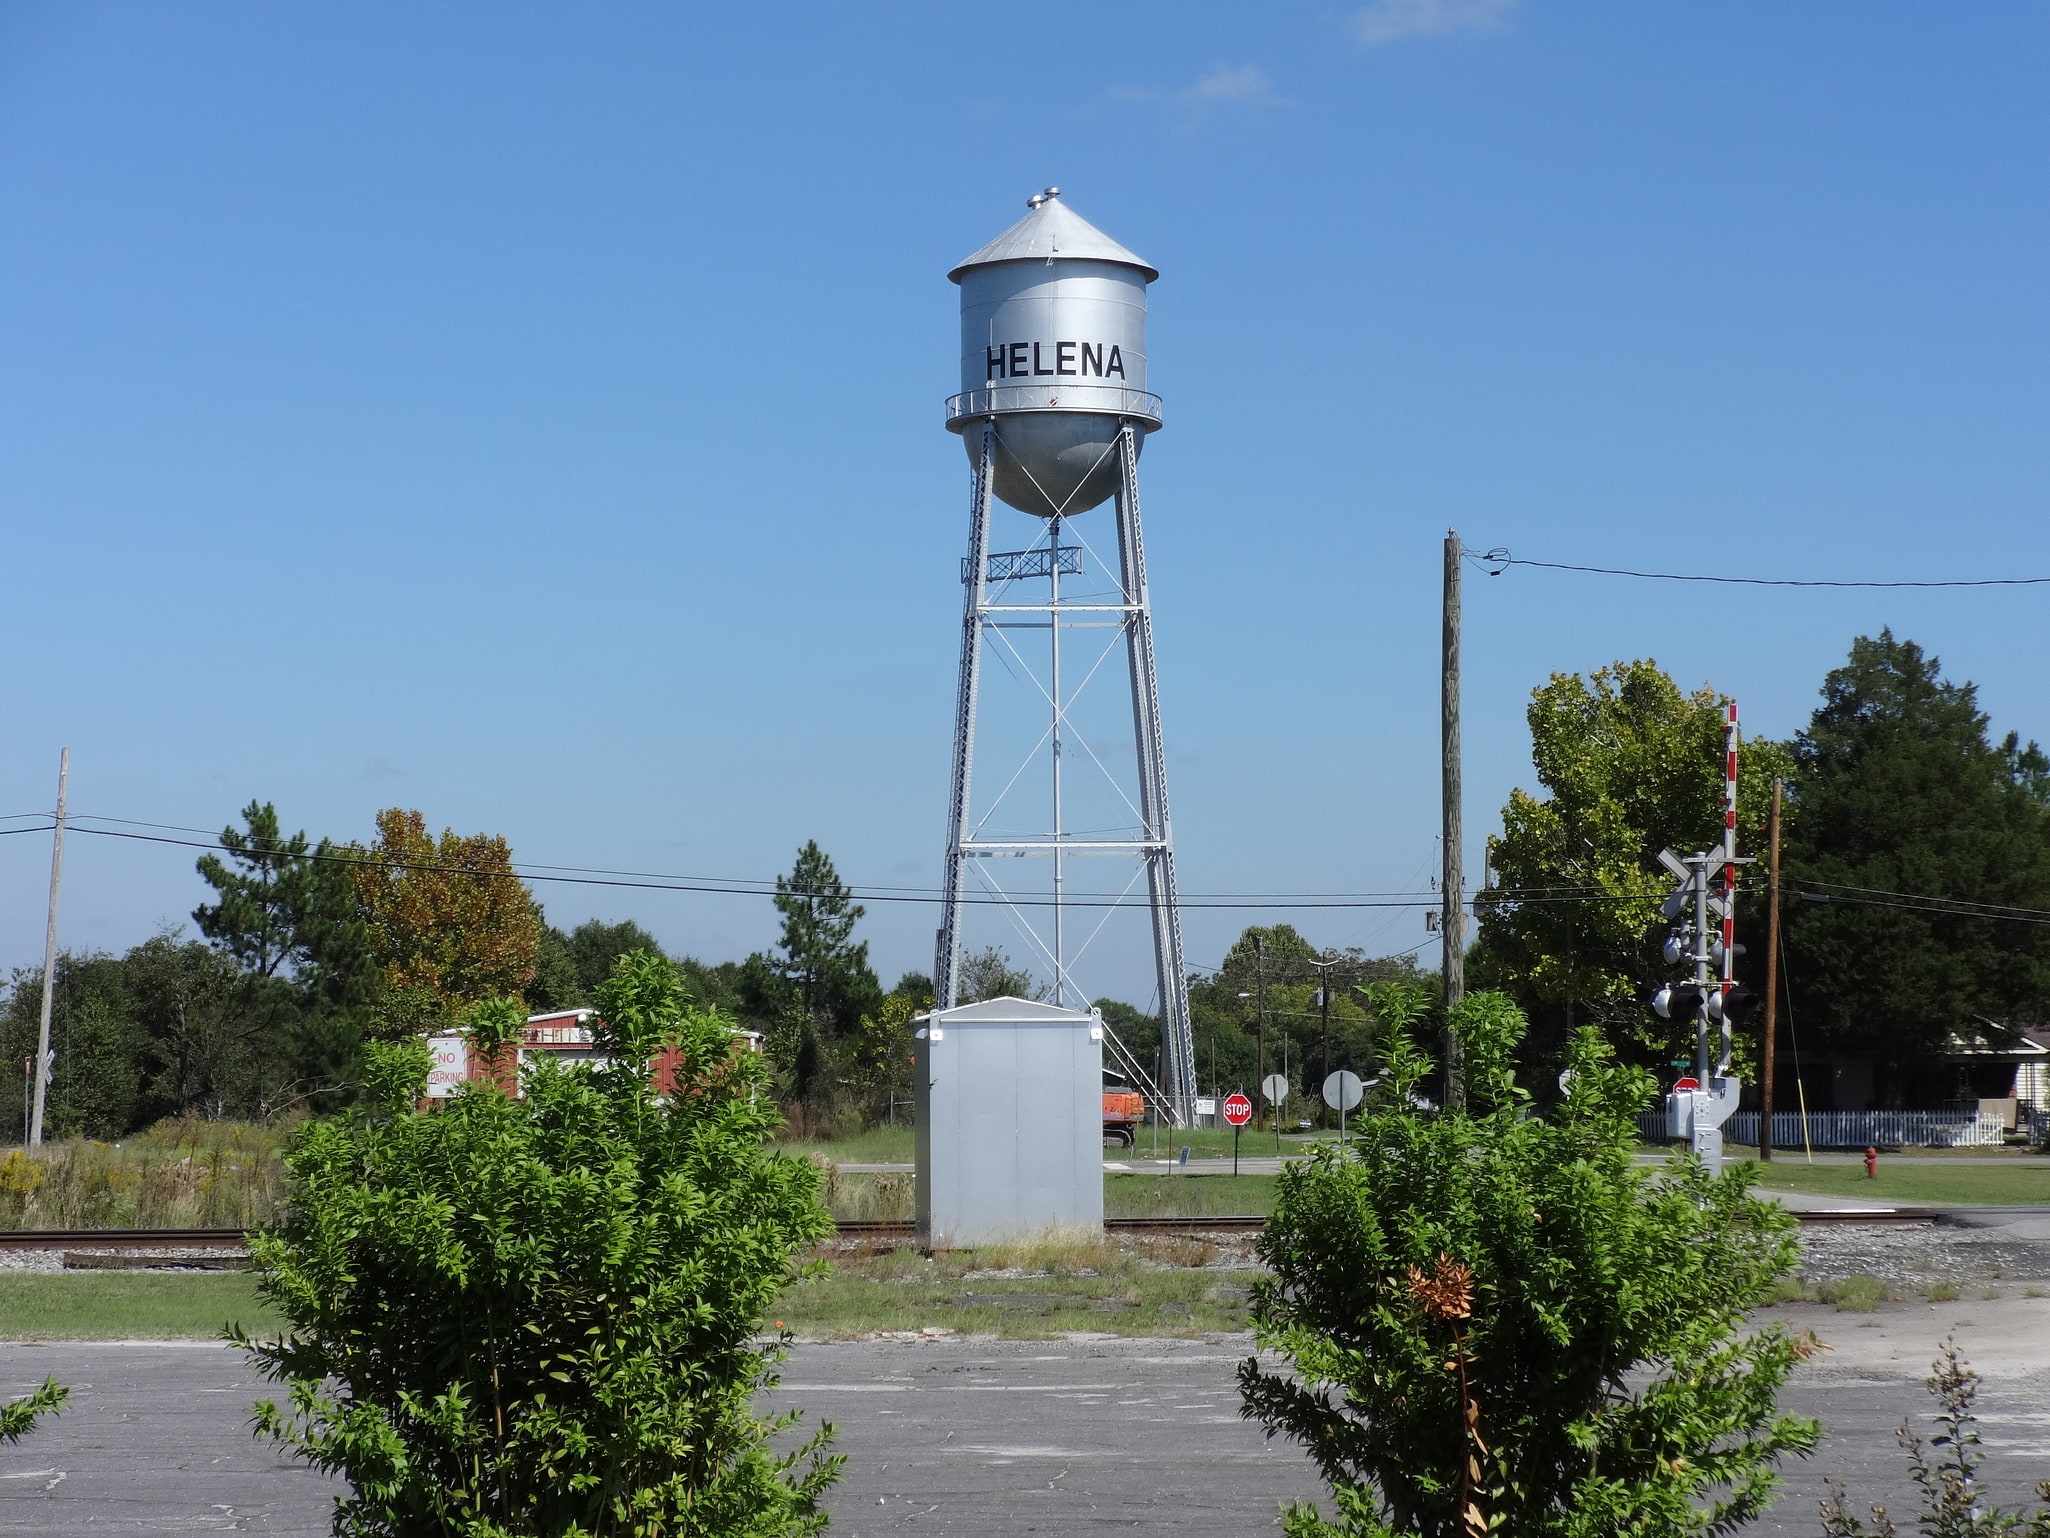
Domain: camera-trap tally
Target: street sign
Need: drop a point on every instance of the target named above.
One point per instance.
(1342, 1090)
(1238, 1110)
(1275, 1088)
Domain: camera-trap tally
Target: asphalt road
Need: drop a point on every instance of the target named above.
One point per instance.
(961, 1437)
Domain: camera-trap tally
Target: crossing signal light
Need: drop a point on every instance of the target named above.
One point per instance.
(1678, 1001)
(1736, 1005)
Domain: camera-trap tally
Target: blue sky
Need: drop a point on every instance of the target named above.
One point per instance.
(532, 414)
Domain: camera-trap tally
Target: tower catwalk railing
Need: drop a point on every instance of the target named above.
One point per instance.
(1153, 846)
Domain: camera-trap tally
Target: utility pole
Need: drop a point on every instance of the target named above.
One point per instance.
(1260, 982)
(1772, 981)
(42, 1064)
(1324, 1005)
(1452, 928)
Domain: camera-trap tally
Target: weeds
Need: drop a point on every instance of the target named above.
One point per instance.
(1951, 1507)
(1859, 1294)
(1058, 1284)
(1944, 1292)
(185, 1173)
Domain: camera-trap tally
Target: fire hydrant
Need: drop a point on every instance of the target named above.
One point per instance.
(1871, 1164)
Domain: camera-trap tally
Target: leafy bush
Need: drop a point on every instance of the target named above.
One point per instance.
(18, 1417)
(1495, 1322)
(539, 1316)
(1951, 1507)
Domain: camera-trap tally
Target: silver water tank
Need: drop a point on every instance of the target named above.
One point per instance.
(1053, 349)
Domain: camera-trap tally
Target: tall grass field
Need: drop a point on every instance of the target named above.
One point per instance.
(178, 1174)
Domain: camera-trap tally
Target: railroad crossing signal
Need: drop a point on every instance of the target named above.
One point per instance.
(1691, 876)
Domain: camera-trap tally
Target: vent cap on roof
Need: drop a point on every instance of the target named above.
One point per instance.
(1051, 230)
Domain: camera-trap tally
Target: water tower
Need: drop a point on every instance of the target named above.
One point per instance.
(1053, 412)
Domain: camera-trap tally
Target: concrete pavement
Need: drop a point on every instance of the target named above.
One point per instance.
(976, 1436)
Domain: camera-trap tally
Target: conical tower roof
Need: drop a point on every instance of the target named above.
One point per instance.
(1051, 229)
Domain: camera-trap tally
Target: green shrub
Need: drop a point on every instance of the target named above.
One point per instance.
(540, 1316)
(1494, 1322)
(1858, 1293)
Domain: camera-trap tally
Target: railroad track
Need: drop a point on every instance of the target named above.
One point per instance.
(850, 1228)
(121, 1239)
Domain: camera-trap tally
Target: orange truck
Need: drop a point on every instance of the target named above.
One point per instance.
(1123, 1109)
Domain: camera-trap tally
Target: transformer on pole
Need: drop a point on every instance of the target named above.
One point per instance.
(1053, 413)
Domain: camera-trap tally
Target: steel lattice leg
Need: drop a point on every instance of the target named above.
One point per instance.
(1176, 1035)
(946, 970)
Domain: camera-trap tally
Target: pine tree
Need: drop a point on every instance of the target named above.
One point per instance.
(1901, 798)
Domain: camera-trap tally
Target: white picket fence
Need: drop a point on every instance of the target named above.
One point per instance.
(1854, 1129)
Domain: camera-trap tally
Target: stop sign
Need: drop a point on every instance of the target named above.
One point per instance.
(1681, 1086)
(1238, 1110)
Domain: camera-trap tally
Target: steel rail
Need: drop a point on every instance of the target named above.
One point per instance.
(847, 1228)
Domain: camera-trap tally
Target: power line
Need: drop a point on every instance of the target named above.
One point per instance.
(757, 886)
(1988, 910)
(757, 889)
(1501, 560)
(572, 875)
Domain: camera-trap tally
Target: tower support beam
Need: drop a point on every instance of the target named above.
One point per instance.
(946, 967)
(1153, 846)
(1177, 1039)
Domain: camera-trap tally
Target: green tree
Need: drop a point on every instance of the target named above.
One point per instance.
(596, 945)
(543, 1315)
(824, 982)
(1494, 1322)
(285, 908)
(1277, 963)
(990, 974)
(1570, 925)
(96, 1088)
(286, 914)
(1137, 1030)
(449, 922)
(555, 984)
(211, 1048)
(1902, 797)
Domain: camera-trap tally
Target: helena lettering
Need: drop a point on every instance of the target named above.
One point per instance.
(1071, 360)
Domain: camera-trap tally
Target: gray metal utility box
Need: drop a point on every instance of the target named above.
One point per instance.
(1010, 1121)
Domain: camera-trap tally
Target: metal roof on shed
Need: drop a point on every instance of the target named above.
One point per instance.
(1009, 1011)
(1053, 230)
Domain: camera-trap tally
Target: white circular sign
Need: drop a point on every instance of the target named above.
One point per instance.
(1343, 1090)
(1275, 1088)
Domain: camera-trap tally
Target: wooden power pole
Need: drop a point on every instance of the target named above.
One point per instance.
(1452, 927)
(1772, 980)
(41, 1069)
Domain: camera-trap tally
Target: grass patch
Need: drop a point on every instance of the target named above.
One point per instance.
(1942, 1292)
(1790, 1289)
(1956, 1183)
(890, 1194)
(1859, 1294)
(1064, 1285)
(1179, 1196)
(133, 1305)
(878, 1145)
